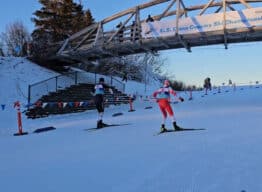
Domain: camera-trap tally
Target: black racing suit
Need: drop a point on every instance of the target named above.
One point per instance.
(99, 90)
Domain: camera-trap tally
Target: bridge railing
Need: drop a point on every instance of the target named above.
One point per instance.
(60, 82)
(130, 33)
(127, 35)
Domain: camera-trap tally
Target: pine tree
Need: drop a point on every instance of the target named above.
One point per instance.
(56, 21)
(88, 18)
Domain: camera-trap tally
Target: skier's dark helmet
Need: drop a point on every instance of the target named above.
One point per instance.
(101, 80)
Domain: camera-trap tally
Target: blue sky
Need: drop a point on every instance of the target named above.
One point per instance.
(241, 62)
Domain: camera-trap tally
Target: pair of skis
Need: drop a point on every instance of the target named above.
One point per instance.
(106, 126)
(178, 130)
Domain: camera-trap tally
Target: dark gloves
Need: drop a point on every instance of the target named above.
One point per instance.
(181, 99)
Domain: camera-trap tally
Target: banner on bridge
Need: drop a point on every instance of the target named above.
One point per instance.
(246, 18)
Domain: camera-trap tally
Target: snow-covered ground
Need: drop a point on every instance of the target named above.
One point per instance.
(226, 156)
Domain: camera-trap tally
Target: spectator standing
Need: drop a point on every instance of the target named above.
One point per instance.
(120, 32)
(124, 77)
(149, 19)
(207, 84)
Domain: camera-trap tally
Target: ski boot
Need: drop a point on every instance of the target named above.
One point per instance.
(163, 129)
(99, 124)
(176, 127)
(104, 124)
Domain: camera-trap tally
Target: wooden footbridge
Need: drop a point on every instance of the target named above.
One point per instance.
(177, 26)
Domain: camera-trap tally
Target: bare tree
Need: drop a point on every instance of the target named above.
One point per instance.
(138, 67)
(15, 38)
(150, 66)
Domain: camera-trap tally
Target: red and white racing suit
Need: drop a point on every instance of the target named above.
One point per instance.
(163, 98)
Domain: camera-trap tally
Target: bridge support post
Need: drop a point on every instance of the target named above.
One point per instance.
(224, 24)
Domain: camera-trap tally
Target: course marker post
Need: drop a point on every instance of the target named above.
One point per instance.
(131, 104)
(19, 120)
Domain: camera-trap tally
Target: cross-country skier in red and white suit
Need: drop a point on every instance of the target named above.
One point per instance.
(162, 96)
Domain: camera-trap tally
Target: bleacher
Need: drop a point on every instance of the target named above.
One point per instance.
(76, 98)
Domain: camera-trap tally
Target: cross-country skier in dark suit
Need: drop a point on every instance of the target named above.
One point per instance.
(99, 91)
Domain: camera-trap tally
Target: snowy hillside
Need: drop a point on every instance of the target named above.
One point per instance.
(226, 156)
(16, 75)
